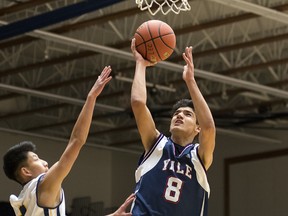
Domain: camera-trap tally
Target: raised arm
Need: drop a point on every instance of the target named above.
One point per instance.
(205, 119)
(49, 189)
(143, 117)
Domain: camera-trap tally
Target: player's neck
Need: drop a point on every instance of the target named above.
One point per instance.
(180, 140)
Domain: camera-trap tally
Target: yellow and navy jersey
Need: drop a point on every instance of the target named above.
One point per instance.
(168, 183)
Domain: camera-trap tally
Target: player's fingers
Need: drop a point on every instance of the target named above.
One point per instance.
(131, 196)
(187, 51)
(106, 71)
(133, 44)
(128, 201)
(104, 79)
(190, 52)
(107, 80)
(185, 57)
(152, 63)
(102, 74)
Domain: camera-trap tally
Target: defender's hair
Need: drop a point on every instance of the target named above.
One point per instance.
(16, 157)
(182, 103)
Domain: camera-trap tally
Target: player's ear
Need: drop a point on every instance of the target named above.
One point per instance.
(198, 129)
(25, 171)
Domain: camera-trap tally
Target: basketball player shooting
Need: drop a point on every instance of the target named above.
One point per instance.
(42, 192)
(171, 175)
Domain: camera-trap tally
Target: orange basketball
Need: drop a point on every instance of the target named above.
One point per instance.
(155, 40)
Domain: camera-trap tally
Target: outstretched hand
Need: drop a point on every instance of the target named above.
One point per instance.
(121, 211)
(188, 72)
(138, 57)
(102, 80)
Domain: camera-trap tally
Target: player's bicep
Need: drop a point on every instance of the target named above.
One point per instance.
(50, 187)
(48, 191)
(207, 146)
(146, 126)
(62, 168)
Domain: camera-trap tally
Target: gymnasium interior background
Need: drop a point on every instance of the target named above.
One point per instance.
(51, 52)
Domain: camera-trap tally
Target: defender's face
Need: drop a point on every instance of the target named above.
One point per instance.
(35, 165)
(183, 120)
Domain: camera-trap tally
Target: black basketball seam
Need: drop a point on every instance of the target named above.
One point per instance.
(163, 40)
(151, 36)
(142, 43)
(153, 40)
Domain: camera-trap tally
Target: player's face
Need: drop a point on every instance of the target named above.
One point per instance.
(35, 165)
(184, 121)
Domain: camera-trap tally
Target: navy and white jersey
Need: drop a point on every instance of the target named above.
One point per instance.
(171, 184)
(26, 203)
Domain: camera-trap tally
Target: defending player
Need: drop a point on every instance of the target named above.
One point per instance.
(171, 176)
(42, 193)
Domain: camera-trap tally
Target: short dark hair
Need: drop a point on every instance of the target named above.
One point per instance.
(182, 103)
(15, 157)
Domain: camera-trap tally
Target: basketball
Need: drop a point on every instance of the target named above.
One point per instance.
(155, 40)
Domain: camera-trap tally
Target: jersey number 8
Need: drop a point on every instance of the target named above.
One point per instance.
(173, 189)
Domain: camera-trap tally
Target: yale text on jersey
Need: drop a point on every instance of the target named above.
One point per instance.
(176, 167)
